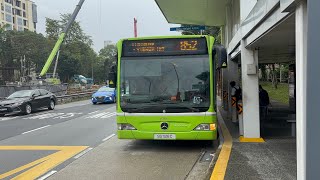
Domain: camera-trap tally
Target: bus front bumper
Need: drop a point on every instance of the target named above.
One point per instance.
(193, 135)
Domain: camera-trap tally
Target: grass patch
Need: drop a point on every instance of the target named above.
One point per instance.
(281, 94)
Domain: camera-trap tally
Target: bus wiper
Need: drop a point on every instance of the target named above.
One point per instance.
(182, 106)
(157, 99)
(133, 110)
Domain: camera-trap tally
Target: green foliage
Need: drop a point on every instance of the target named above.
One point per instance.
(284, 71)
(281, 94)
(264, 74)
(76, 53)
(55, 27)
(34, 47)
(15, 46)
(75, 58)
(107, 58)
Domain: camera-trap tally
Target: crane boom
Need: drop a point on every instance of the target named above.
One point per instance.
(61, 39)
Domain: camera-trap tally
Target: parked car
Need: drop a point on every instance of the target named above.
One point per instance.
(104, 95)
(26, 101)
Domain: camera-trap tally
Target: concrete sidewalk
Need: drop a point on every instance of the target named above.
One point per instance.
(133, 159)
(273, 159)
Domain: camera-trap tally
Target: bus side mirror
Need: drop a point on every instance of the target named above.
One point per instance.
(112, 77)
(221, 53)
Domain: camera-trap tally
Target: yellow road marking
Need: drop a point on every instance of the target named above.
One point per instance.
(253, 140)
(220, 167)
(43, 165)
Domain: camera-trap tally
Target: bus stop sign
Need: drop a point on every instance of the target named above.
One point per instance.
(188, 28)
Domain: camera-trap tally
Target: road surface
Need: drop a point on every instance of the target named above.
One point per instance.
(46, 142)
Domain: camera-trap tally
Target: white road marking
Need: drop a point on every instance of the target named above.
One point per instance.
(54, 116)
(67, 115)
(102, 115)
(47, 175)
(109, 137)
(48, 115)
(36, 129)
(45, 116)
(63, 106)
(109, 115)
(8, 118)
(93, 112)
(99, 115)
(82, 153)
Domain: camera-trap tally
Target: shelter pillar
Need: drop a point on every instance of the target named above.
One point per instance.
(301, 87)
(307, 74)
(312, 79)
(250, 92)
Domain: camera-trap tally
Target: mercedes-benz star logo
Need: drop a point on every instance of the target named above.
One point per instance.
(164, 126)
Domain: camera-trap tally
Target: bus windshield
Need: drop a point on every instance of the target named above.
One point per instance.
(106, 89)
(165, 84)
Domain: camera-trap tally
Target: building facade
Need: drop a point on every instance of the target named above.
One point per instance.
(19, 15)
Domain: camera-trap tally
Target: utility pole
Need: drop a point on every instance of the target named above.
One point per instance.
(92, 68)
(25, 70)
(55, 66)
(21, 75)
(135, 27)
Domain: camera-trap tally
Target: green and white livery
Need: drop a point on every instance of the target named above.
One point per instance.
(166, 88)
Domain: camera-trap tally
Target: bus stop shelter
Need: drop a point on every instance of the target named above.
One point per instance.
(266, 31)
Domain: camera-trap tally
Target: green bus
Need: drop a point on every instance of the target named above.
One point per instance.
(166, 87)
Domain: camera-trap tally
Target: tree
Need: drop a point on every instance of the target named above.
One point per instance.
(5, 55)
(4, 44)
(75, 58)
(34, 47)
(17, 45)
(55, 27)
(263, 69)
(107, 58)
(76, 55)
(284, 70)
(69, 66)
(273, 75)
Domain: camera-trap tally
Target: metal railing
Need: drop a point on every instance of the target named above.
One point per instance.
(72, 97)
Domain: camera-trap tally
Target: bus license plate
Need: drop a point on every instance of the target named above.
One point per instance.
(164, 136)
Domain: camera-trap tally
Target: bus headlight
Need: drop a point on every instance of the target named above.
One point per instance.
(205, 127)
(126, 127)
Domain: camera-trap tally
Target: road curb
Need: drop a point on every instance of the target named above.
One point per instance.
(214, 160)
(220, 162)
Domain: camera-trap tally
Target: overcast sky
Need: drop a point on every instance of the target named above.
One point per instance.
(108, 19)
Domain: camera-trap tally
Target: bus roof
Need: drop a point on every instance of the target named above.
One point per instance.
(165, 37)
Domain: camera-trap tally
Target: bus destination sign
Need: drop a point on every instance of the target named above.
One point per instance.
(165, 47)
